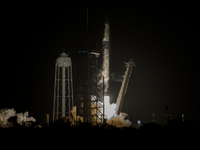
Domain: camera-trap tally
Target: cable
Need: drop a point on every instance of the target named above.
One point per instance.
(69, 18)
(77, 25)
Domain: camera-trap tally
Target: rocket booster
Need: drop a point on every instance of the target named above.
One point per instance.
(106, 61)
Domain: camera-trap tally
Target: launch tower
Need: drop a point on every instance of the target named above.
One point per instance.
(87, 98)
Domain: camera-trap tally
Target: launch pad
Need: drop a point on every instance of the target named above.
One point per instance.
(81, 94)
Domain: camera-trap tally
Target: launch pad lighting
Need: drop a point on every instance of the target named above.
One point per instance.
(106, 105)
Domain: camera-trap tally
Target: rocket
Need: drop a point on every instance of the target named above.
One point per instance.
(106, 61)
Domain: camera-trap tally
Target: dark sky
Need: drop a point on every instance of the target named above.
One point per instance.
(160, 37)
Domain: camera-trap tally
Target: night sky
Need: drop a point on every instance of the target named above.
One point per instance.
(160, 37)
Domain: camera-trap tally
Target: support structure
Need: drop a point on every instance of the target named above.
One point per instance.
(87, 99)
(122, 92)
(63, 88)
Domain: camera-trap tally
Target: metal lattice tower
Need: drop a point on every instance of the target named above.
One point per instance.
(87, 99)
(63, 88)
(93, 91)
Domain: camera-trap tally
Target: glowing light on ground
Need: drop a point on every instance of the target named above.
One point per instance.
(109, 108)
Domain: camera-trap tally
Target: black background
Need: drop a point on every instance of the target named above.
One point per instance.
(161, 37)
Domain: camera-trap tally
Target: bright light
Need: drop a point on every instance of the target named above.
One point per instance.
(106, 105)
(139, 122)
(109, 108)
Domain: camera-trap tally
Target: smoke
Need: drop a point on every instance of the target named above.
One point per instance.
(116, 77)
(120, 121)
(6, 114)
